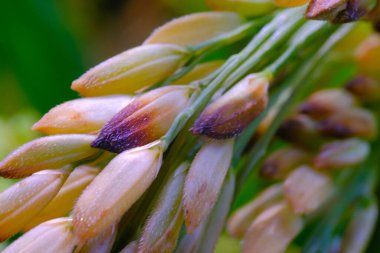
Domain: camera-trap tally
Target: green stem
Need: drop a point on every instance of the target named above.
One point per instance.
(307, 34)
(304, 36)
(200, 51)
(235, 61)
(182, 72)
(232, 36)
(295, 91)
(276, 39)
(173, 157)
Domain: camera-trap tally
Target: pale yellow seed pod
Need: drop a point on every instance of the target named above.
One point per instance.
(100, 244)
(204, 181)
(52, 236)
(307, 190)
(290, 3)
(83, 115)
(244, 7)
(162, 228)
(200, 71)
(281, 162)
(360, 229)
(366, 89)
(326, 102)
(144, 120)
(339, 11)
(115, 190)
(327, 10)
(231, 113)
(195, 28)
(64, 201)
(354, 122)
(25, 199)
(341, 154)
(47, 153)
(306, 128)
(132, 70)
(273, 230)
(240, 221)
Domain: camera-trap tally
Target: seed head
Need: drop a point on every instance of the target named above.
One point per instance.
(64, 201)
(47, 153)
(204, 181)
(338, 11)
(132, 70)
(273, 230)
(366, 89)
(240, 221)
(193, 29)
(51, 236)
(306, 189)
(144, 120)
(84, 115)
(281, 162)
(25, 199)
(161, 231)
(325, 9)
(100, 244)
(327, 102)
(341, 154)
(230, 114)
(190, 242)
(300, 130)
(355, 122)
(118, 186)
